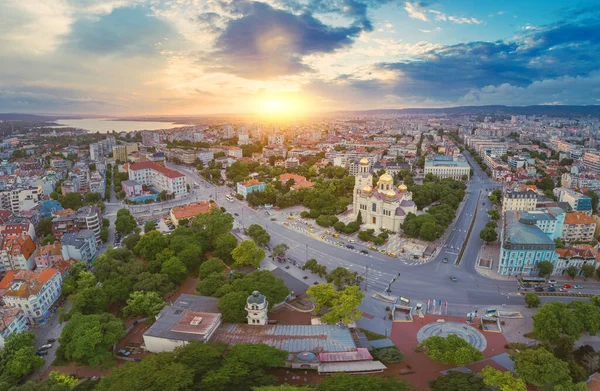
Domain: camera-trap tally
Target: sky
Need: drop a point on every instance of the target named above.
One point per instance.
(196, 57)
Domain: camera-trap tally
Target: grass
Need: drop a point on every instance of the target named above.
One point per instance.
(371, 336)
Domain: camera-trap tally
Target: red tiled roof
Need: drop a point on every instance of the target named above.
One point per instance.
(19, 244)
(578, 218)
(186, 211)
(156, 167)
(251, 182)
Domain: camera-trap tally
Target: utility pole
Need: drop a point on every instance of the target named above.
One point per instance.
(389, 288)
(366, 278)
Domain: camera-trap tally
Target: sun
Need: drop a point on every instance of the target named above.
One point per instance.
(281, 108)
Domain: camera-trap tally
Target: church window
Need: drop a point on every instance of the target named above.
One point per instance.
(374, 207)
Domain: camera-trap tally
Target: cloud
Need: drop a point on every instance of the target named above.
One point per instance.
(416, 10)
(431, 31)
(266, 42)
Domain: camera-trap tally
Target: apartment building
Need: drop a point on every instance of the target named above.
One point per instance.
(591, 161)
(205, 156)
(576, 255)
(16, 252)
(20, 199)
(577, 202)
(120, 153)
(274, 150)
(48, 255)
(79, 246)
(447, 167)
(158, 177)
(88, 217)
(12, 321)
(32, 292)
(250, 186)
(519, 200)
(578, 227)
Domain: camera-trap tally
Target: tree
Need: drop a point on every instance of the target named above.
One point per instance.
(209, 285)
(257, 356)
(71, 201)
(260, 236)
(125, 222)
(540, 368)
(342, 305)
(191, 256)
(211, 266)
(144, 303)
(175, 269)
(105, 222)
(92, 198)
(346, 382)
(451, 350)
(488, 235)
(280, 250)
(18, 358)
(117, 289)
(555, 320)
(88, 339)
(389, 355)
(359, 219)
(62, 378)
(340, 277)
(246, 253)
(104, 234)
(458, 381)
(232, 307)
(153, 282)
(48, 239)
(224, 245)
(559, 243)
(149, 226)
(90, 301)
(572, 271)
(494, 214)
(594, 197)
(151, 244)
(86, 280)
(532, 300)
(44, 227)
(545, 268)
(131, 240)
(588, 313)
(212, 224)
(505, 381)
(588, 271)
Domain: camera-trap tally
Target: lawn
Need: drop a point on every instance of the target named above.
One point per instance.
(371, 336)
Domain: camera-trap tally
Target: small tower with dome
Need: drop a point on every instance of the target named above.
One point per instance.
(257, 307)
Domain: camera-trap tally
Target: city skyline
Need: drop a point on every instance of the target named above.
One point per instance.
(287, 58)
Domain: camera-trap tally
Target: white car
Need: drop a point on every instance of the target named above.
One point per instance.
(45, 347)
(552, 282)
(351, 241)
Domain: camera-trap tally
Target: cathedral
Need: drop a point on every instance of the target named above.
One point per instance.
(383, 206)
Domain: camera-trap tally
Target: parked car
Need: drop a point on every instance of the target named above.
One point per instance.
(393, 255)
(235, 214)
(562, 290)
(273, 219)
(445, 260)
(364, 251)
(50, 340)
(578, 286)
(124, 352)
(539, 289)
(453, 278)
(46, 347)
(42, 353)
(552, 289)
(351, 241)
(340, 243)
(351, 247)
(552, 282)
(373, 248)
(568, 286)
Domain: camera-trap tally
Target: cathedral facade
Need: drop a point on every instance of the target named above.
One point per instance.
(383, 206)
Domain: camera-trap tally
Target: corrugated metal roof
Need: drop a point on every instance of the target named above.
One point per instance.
(292, 338)
(361, 354)
(348, 367)
(381, 343)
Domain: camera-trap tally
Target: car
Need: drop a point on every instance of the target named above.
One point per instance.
(552, 282)
(46, 346)
(393, 255)
(287, 267)
(382, 251)
(124, 352)
(552, 289)
(305, 278)
(273, 219)
(373, 248)
(50, 340)
(364, 251)
(336, 235)
(286, 224)
(568, 286)
(351, 241)
(453, 278)
(578, 286)
(539, 289)
(562, 290)
(340, 243)
(42, 353)
(235, 214)
(351, 247)
(316, 283)
(290, 218)
(445, 260)
(328, 232)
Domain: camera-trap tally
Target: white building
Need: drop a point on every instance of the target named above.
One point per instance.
(257, 307)
(80, 246)
(17, 200)
(158, 177)
(447, 167)
(384, 206)
(205, 156)
(275, 139)
(12, 321)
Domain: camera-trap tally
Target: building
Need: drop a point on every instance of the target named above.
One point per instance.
(300, 182)
(550, 220)
(447, 167)
(384, 206)
(79, 246)
(274, 150)
(523, 245)
(577, 202)
(48, 255)
(275, 139)
(578, 227)
(150, 138)
(17, 253)
(88, 217)
(158, 177)
(12, 321)
(190, 211)
(120, 153)
(132, 188)
(20, 199)
(246, 187)
(576, 255)
(190, 318)
(18, 226)
(592, 161)
(257, 307)
(519, 200)
(292, 162)
(205, 156)
(33, 292)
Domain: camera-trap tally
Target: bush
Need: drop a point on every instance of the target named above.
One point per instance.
(326, 221)
(314, 214)
(390, 355)
(304, 214)
(351, 228)
(339, 226)
(532, 300)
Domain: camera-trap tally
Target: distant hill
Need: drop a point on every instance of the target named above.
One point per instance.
(549, 110)
(25, 117)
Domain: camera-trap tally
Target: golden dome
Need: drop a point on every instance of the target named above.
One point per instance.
(367, 189)
(386, 178)
(364, 161)
(390, 194)
(402, 188)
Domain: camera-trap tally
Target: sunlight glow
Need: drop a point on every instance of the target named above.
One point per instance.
(281, 108)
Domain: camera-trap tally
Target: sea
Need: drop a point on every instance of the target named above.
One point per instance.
(107, 125)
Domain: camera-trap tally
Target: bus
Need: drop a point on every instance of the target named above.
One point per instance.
(229, 198)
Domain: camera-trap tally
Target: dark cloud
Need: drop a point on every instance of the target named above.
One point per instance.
(130, 31)
(267, 42)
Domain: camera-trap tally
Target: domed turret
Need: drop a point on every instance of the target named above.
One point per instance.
(367, 189)
(402, 188)
(364, 161)
(390, 194)
(386, 178)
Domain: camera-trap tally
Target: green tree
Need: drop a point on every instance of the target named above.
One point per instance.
(359, 219)
(175, 269)
(150, 245)
(555, 320)
(104, 234)
(342, 305)
(224, 245)
(588, 313)
(18, 358)
(247, 254)
(488, 235)
(389, 355)
(504, 381)
(540, 368)
(451, 350)
(90, 301)
(105, 222)
(86, 280)
(594, 198)
(48, 239)
(149, 226)
(260, 236)
(153, 282)
(572, 271)
(125, 222)
(144, 303)
(212, 224)
(71, 201)
(545, 268)
(117, 289)
(191, 256)
(88, 339)
(44, 227)
(346, 382)
(340, 277)
(62, 378)
(232, 307)
(532, 300)
(588, 271)
(211, 266)
(559, 243)
(209, 285)
(494, 214)
(458, 381)
(92, 198)
(131, 240)
(280, 250)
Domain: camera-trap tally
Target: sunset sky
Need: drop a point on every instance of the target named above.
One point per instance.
(188, 57)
